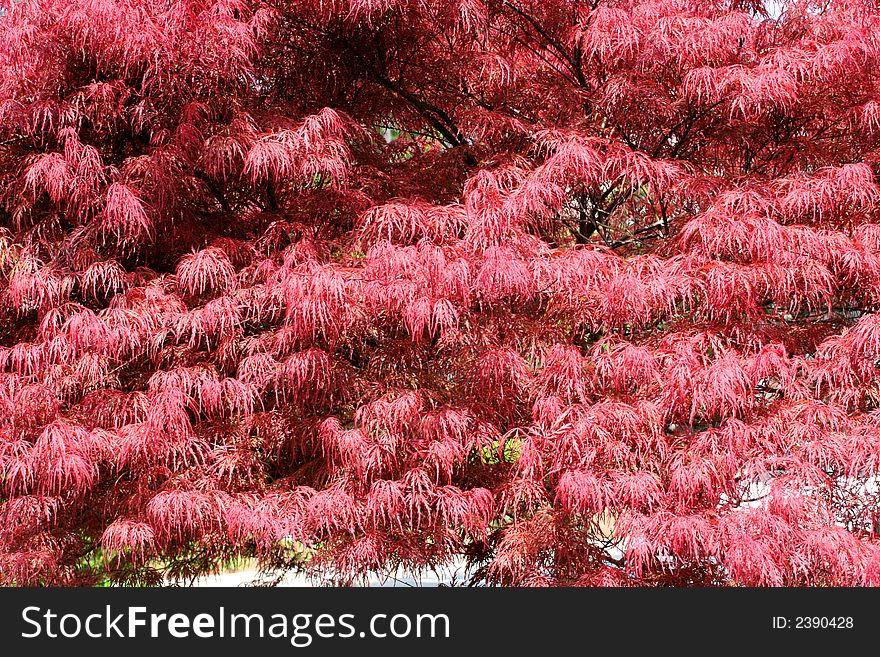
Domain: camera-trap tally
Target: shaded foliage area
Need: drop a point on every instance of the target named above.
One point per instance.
(583, 292)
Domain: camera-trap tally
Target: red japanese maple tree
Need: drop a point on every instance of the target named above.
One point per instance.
(582, 292)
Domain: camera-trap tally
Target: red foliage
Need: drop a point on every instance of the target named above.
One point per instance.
(584, 293)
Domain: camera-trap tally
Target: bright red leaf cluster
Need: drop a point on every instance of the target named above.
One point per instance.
(582, 291)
